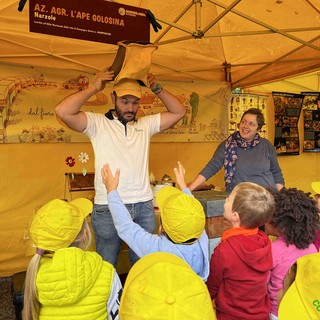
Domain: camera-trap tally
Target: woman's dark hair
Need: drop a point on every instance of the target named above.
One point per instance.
(258, 113)
(296, 216)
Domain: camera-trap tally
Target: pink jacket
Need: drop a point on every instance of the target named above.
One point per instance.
(284, 257)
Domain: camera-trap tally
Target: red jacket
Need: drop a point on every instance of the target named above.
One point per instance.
(239, 269)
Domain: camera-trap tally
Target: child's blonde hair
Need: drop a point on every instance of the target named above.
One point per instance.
(254, 204)
(31, 305)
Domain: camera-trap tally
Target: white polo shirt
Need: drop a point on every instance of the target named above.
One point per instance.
(126, 148)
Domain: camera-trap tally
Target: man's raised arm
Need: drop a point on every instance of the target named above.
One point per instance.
(176, 110)
(68, 110)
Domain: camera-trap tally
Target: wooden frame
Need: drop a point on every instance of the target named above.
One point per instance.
(78, 182)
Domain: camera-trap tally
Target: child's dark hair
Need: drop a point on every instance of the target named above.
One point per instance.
(296, 217)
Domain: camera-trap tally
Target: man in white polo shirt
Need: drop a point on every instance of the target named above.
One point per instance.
(123, 141)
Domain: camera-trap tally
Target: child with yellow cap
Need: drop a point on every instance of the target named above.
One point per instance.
(182, 231)
(63, 280)
(316, 188)
(299, 297)
(162, 286)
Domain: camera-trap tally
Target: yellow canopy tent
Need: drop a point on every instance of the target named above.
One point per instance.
(243, 42)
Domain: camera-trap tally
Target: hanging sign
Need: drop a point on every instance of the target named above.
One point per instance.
(98, 20)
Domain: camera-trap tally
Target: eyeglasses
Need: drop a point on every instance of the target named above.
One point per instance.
(250, 124)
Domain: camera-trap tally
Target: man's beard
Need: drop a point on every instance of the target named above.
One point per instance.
(121, 115)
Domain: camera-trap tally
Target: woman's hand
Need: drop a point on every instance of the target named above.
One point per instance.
(180, 172)
(110, 181)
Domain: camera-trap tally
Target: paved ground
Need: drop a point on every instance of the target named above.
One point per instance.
(7, 310)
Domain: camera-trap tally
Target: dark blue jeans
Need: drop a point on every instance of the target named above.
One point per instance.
(106, 236)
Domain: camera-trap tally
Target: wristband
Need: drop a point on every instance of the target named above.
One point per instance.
(157, 89)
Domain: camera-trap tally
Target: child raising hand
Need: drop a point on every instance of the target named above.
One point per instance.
(182, 221)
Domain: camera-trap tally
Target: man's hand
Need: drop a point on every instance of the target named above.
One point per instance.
(110, 181)
(102, 78)
(180, 172)
(152, 81)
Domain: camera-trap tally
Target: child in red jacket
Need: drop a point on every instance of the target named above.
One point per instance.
(240, 264)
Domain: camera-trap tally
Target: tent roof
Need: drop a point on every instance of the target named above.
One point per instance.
(243, 42)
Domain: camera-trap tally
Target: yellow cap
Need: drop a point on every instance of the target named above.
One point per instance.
(182, 215)
(163, 286)
(128, 87)
(315, 187)
(57, 223)
(302, 300)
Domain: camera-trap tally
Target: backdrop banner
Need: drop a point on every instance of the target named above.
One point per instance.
(311, 121)
(28, 96)
(287, 108)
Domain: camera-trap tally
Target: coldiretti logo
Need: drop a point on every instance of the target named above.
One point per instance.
(316, 303)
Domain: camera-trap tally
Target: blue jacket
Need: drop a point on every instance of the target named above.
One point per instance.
(143, 242)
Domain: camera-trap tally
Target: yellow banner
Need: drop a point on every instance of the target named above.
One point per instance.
(28, 96)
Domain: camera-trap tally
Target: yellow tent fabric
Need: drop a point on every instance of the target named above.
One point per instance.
(243, 42)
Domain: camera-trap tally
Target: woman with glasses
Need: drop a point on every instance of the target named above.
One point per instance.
(245, 156)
